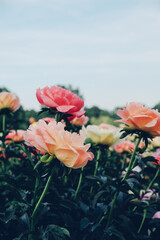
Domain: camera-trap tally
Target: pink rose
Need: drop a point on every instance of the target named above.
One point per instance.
(136, 116)
(125, 146)
(9, 100)
(16, 136)
(51, 138)
(148, 195)
(61, 99)
(156, 215)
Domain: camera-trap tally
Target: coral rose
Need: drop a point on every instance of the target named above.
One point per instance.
(101, 135)
(80, 121)
(16, 136)
(9, 100)
(61, 99)
(137, 116)
(125, 146)
(51, 138)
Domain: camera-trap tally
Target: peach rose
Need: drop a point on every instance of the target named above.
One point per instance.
(125, 146)
(16, 136)
(61, 99)
(9, 100)
(51, 138)
(101, 135)
(136, 116)
(80, 121)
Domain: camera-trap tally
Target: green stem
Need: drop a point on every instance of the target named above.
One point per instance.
(39, 202)
(123, 162)
(96, 166)
(97, 162)
(3, 123)
(143, 219)
(35, 191)
(104, 215)
(111, 209)
(79, 184)
(155, 176)
(132, 160)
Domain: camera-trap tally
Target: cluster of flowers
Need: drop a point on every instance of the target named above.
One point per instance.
(50, 137)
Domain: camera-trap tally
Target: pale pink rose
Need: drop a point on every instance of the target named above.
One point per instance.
(156, 215)
(16, 136)
(80, 121)
(137, 116)
(9, 100)
(125, 146)
(61, 99)
(51, 138)
(148, 195)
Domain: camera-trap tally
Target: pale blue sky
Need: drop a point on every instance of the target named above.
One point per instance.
(109, 49)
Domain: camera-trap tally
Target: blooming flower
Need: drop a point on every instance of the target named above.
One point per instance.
(79, 121)
(156, 215)
(148, 195)
(9, 100)
(16, 136)
(61, 99)
(125, 146)
(137, 116)
(101, 135)
(51, 138)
